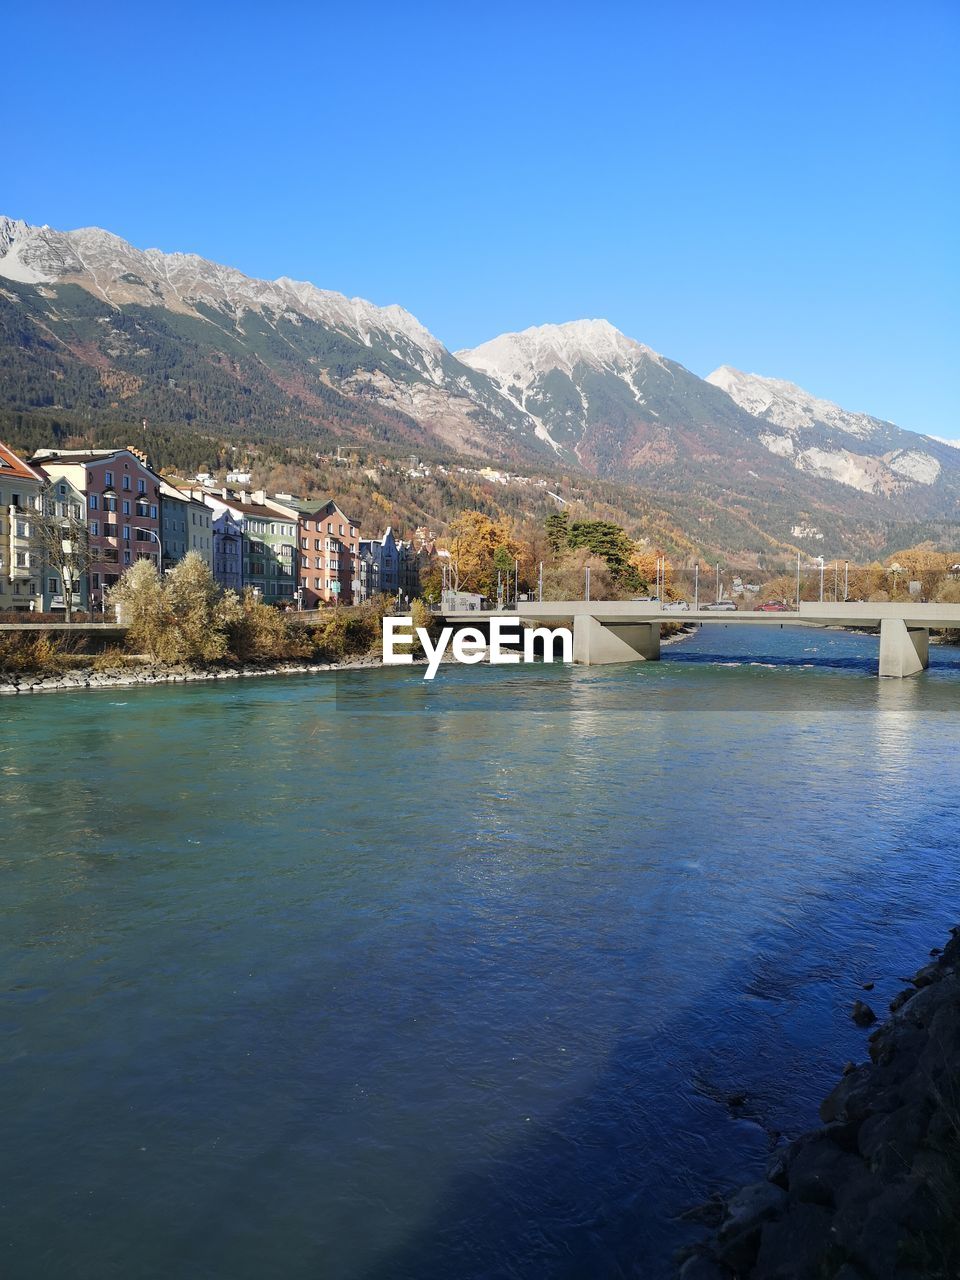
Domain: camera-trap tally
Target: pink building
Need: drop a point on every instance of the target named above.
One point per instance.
(121, 498)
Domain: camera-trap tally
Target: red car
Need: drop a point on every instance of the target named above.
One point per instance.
(772, 606)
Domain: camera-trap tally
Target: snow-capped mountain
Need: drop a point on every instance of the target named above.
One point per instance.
(623, 410)
(382, 354)
(823, 439)
(96, 331)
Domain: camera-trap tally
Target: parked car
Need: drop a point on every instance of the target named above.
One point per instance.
(646, 599)
(772, 606)
(720, 606)
(676, 606)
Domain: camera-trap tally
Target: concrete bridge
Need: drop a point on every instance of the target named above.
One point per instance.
(629, 630)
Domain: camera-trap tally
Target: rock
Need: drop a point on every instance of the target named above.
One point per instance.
(797, 1246)
(710, 1212)
(862, 1014)
(819, 1172)
(900, 999)
(868, 986)
(702, 1267)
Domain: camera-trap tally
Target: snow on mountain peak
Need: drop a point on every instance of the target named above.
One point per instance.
(120, 273)
(788, 406)
(516, 359)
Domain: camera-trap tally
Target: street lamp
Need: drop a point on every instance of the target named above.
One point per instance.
(153, 534)
(820, 559)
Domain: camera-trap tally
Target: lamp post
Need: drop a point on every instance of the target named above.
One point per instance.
(820, 558)
(798, 582)
(153, 534)
(696, 586)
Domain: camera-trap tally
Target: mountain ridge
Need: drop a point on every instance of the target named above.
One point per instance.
(96, 329)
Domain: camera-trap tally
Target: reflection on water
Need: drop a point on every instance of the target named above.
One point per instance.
(363, 976)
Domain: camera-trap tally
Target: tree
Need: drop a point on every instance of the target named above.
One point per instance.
(59, 538)
(182, 617)
(477, 541)
(557, 525)
(608, 541)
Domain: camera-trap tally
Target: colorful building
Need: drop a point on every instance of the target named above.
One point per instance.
(328, 552)
(268, 547)
(121, 497)
(185, 525)
(20, 560)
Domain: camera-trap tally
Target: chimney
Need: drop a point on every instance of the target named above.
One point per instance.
(244, 497)
(259, 497)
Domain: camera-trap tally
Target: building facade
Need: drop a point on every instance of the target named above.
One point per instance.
(20, 559)
(186, 524)
(328, 554)
(391, 567)
(267, 544)
(122, 507)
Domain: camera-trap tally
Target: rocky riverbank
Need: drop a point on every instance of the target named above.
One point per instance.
(874, 1194)
(176, 673)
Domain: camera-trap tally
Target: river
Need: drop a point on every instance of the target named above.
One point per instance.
(361, 977)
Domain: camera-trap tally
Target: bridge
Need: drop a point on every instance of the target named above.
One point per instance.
(629, 630)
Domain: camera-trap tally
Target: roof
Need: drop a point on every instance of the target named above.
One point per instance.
(315, 506)
(168, 490)
(11, 465)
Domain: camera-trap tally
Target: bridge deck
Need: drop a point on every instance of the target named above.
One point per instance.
(817, 615)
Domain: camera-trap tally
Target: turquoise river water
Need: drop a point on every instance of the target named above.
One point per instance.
(358, 977)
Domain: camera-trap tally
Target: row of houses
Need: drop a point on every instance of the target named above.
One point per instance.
(293, 552)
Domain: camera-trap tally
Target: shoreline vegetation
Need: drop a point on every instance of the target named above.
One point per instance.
(874, 1193)
(42, 667)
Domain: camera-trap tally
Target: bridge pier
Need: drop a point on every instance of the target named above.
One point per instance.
(904, 651)
(596, 643)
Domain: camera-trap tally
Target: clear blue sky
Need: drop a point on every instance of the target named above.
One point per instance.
(768, 185)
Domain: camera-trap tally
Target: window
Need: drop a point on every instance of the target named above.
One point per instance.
(318, 545)
(330, 528)
(62, 490)
(318, 584)
(126, 506)
(96, 581)
(109, 479)
(340, 530)
(304, 544)
(23, 559)
(126, 557)
(126, 533)
(126, 484)
(95, 528)
(153, 512)
(109, 530)
(141, 486)
(53, 586)
(93, 502)
(23, 529)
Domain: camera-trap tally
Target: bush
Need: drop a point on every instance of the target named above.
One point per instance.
(41, 654)
(182, 617)
(260, 633)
